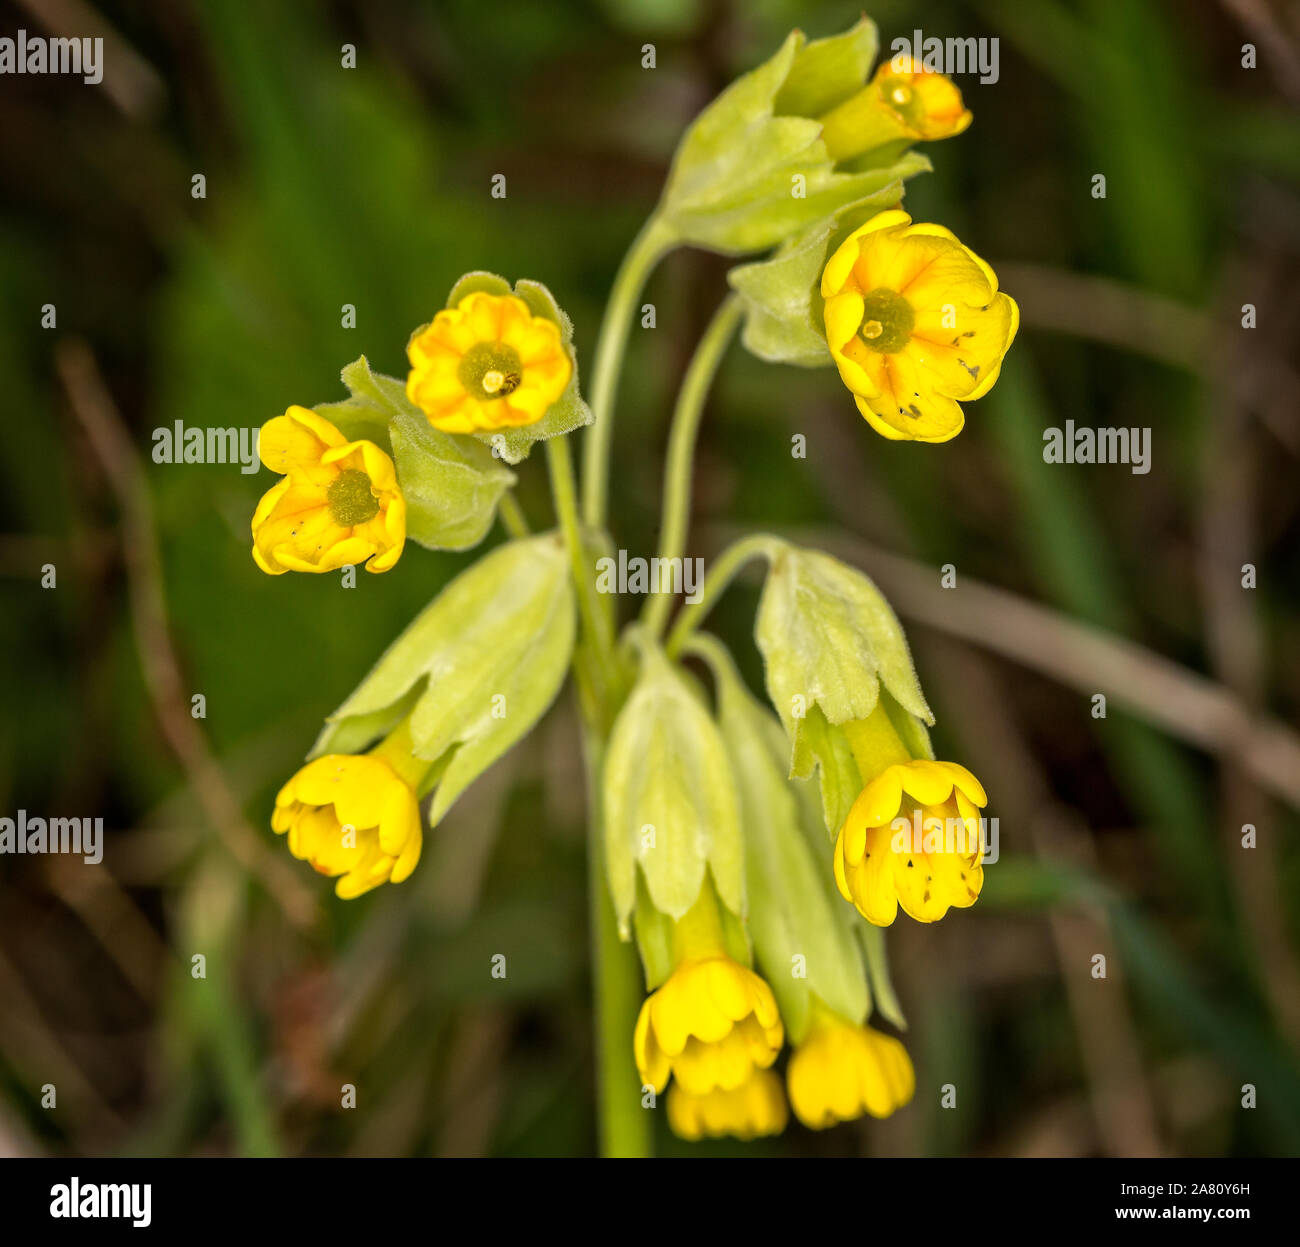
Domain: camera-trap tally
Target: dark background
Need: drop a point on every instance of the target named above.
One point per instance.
(370, 186)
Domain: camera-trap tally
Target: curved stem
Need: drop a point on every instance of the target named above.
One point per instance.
(712, 652)
(649, 246)
(720, 575)
(595, 622)
(512, 516)
(681, 453)
(882, 986)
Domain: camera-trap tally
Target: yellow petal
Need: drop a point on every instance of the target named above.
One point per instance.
(965, 781)
(929, 782)
(843, 316)
(878, 802)
(296, 440)
(841, 266)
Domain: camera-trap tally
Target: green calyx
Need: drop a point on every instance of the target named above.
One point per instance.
(490, 370)
(887, 321)
(351, 500)
(433, 695)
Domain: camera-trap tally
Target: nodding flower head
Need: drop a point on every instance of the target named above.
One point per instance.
(842, 1070)
(338, 504)
(713, 1023)
(355, 817)
(912, 838)
(753, 1110)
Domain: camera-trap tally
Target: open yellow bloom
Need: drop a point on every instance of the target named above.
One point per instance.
(842, 1070)
(753, 1110)
(339, 503)
(912, 838)
(914, 322)
(903, 102)
(487, 363)
(355, 817)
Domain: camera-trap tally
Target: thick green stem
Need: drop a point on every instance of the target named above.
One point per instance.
(650, 245)
(681, 453)
(719, 576)
(625, 1128)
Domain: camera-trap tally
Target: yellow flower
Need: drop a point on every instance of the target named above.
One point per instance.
(754, 1109)
(713, 1022)
(842, 1070)
(338, 504)
(355, 817)
(914, 321)
(902, 103)
(912, 838)
(487, 363)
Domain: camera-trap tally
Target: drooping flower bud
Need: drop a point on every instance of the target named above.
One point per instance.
(902, 104)
(841, 1071)
(339, 503)
(356, 817)
(753, 169)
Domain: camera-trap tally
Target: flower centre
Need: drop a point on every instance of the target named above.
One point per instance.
(350, 498)
(490, 370)
(887, 321)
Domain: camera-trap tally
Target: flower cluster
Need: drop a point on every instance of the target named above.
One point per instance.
(755, 852)
(359, 477)
(719, 862)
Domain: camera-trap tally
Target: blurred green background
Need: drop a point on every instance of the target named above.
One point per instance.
(370, 186)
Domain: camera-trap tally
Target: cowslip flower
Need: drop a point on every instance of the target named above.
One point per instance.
(753, 1110)
(903, 102)
(842, 1070)
(914, 321)
(356, 817)
(712, 1024)
(487, 363)
(714, 1021)
(913, 838)
(339, 503)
